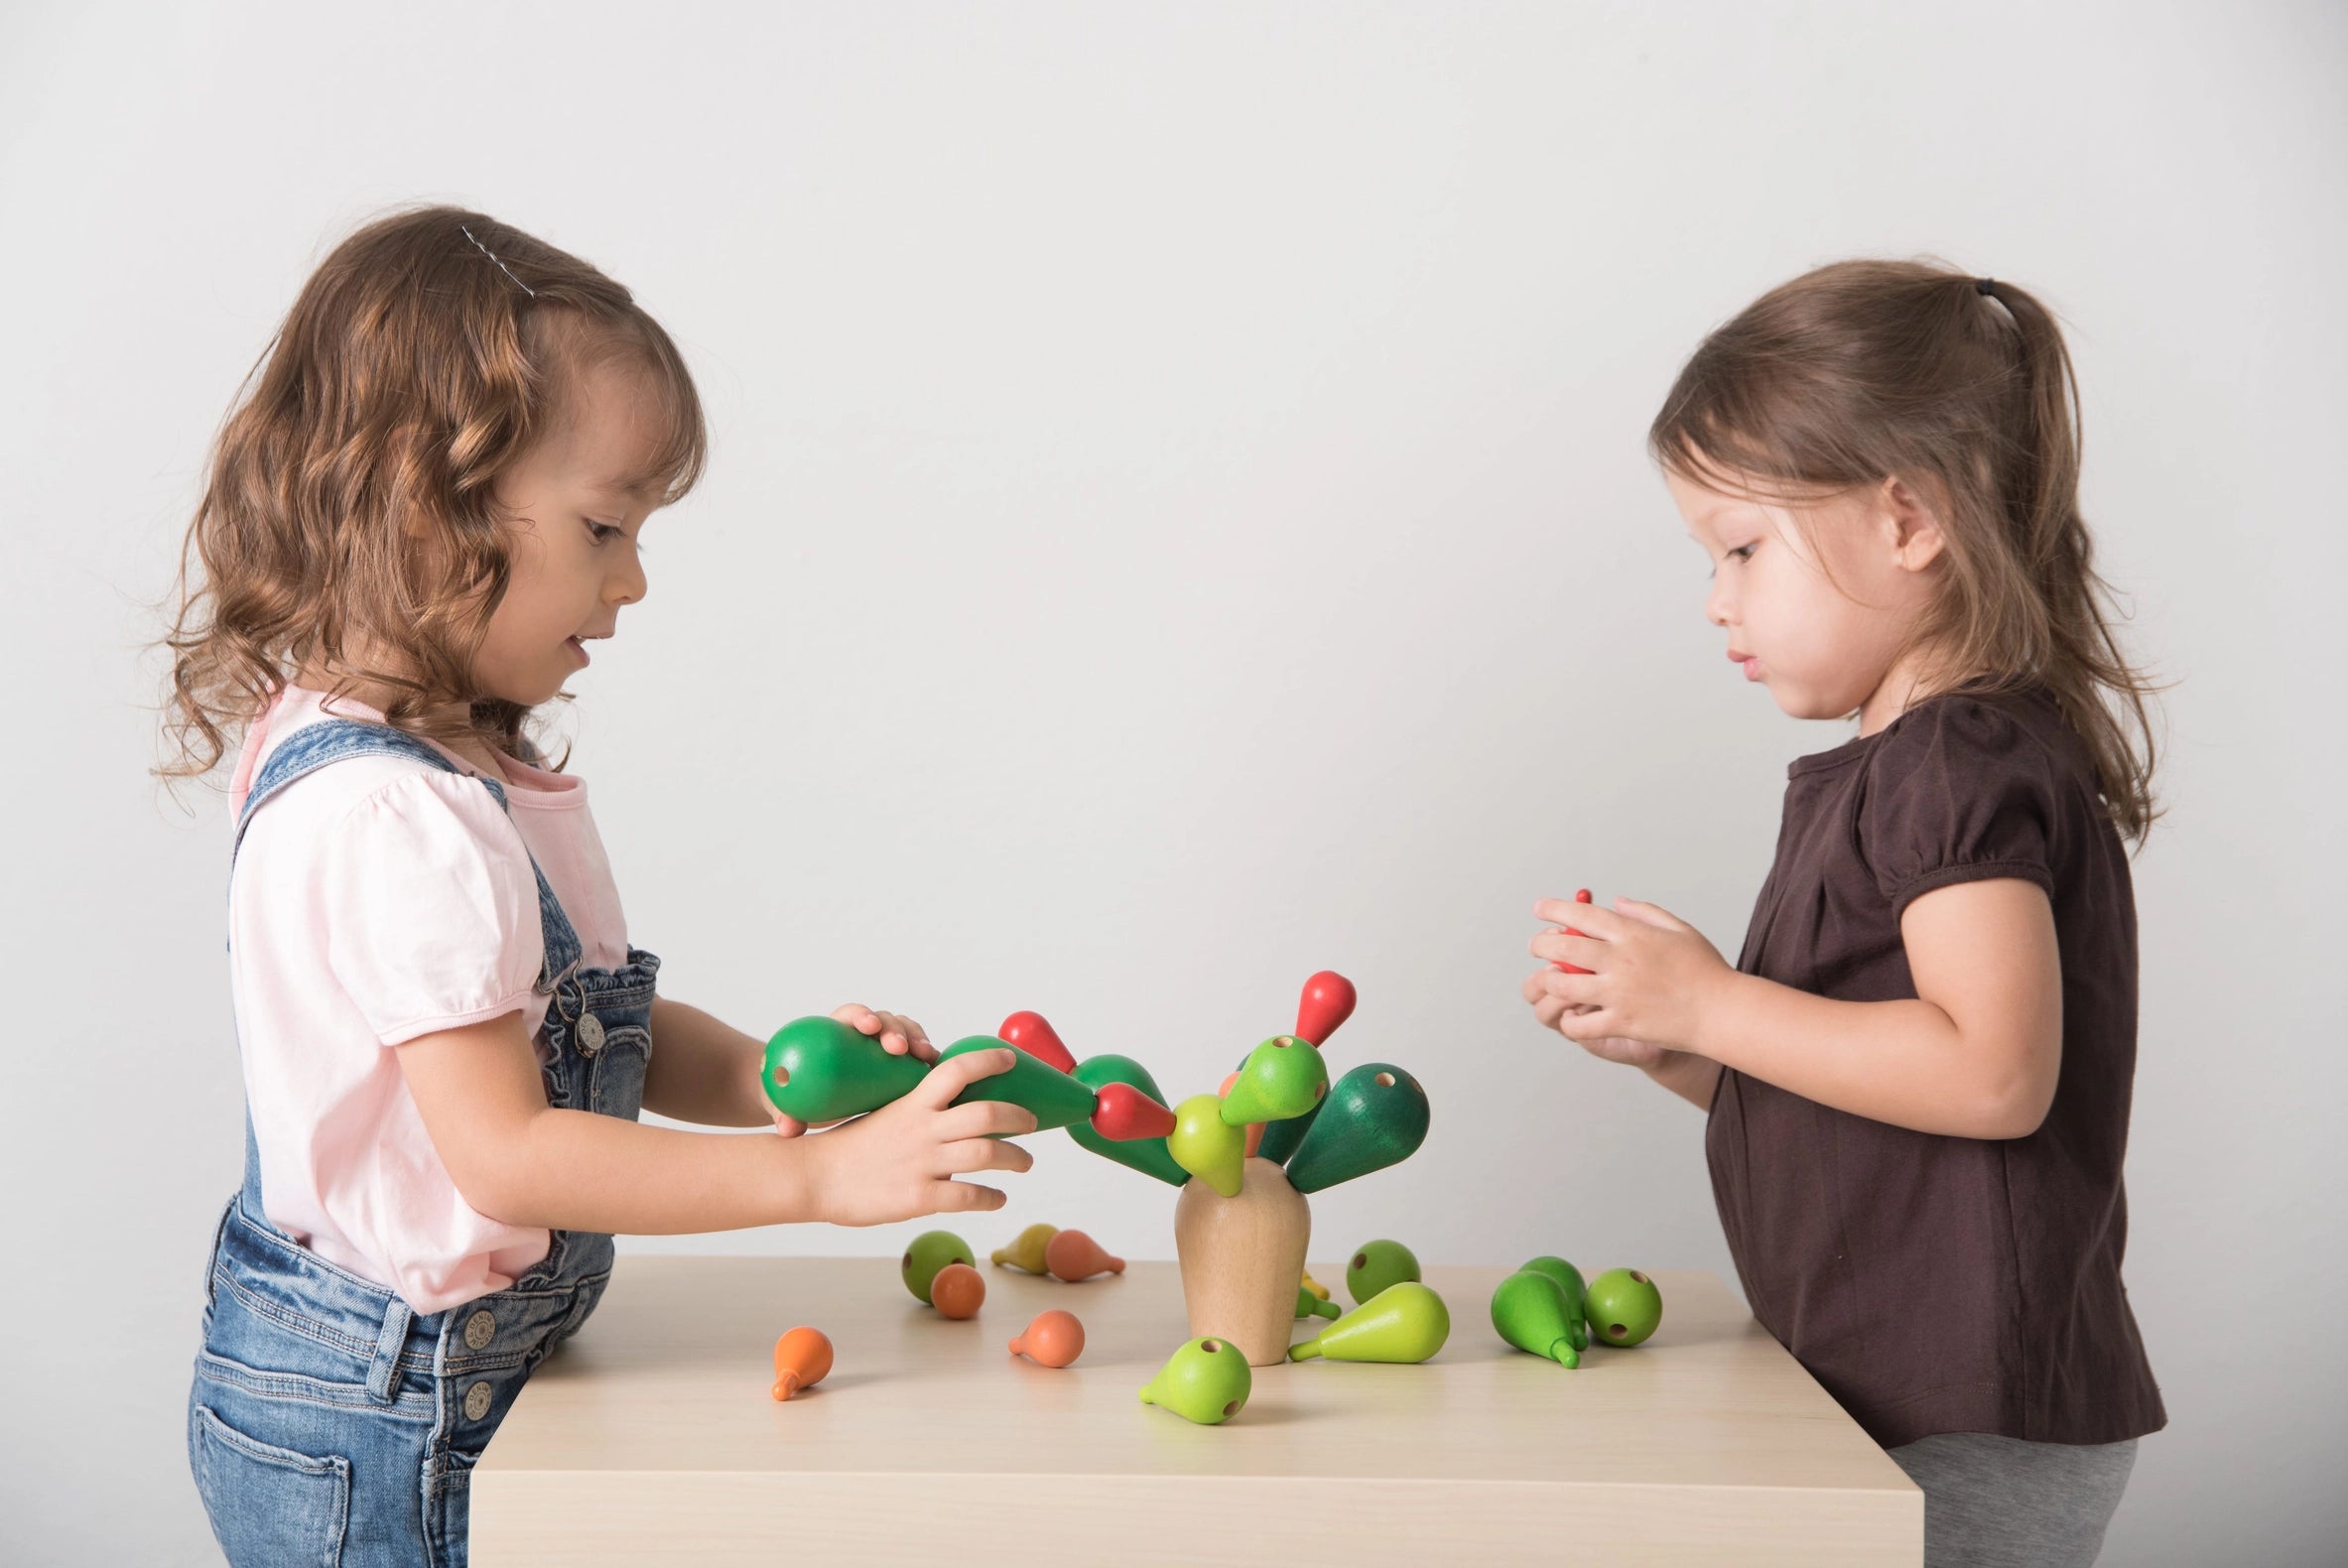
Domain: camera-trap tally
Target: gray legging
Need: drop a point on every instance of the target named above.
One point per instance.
(2001, 1502)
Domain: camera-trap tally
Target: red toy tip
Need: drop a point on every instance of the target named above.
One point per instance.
(1581, 896)
(1328, 1002)
(1121, 1114)
(1030, 1034)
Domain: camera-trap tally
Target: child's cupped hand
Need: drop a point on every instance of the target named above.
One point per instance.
(900, 1162)
(1650, 984)
(898, 1036)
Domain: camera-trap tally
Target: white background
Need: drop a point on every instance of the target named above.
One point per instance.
(1178, 521)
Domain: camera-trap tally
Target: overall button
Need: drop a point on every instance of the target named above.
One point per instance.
(480, 1328)
(590, 1033)
(477, 1401)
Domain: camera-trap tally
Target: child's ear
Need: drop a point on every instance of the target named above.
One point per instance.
(1909, 527)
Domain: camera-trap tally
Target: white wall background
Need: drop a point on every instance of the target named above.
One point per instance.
(1178, 521)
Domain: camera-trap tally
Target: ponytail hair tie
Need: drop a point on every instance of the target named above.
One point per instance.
(1987, 285)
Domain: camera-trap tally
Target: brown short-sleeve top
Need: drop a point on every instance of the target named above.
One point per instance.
(1932, 1283)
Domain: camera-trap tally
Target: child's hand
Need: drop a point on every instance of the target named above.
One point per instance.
(1649, 987)
(898, 1034)
(900, 1162)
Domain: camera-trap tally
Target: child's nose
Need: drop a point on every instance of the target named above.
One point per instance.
(1719, 608)
(626, 585)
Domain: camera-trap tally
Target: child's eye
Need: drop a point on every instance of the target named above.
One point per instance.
(1743, 552)
(602, 533)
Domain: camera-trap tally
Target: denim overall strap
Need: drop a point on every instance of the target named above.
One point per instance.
(332, 741)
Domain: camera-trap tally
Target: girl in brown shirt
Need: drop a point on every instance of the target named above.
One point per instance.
(1918, 1072)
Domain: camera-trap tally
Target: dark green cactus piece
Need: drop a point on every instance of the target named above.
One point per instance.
(1374, 1116)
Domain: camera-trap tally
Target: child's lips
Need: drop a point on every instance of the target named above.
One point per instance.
(1751, 662)
(579, 647)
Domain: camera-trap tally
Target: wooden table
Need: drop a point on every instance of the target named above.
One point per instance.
(651, 1438)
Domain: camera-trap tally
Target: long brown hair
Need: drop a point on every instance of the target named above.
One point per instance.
(349, 506)
(1866, 370)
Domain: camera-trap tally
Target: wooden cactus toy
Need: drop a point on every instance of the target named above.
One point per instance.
(1205, 1382)
(1026, 1249)
(1074, 1255)
(1146, 1155)
(802, 1358)
(1053, 1339)
(1528, 1311)
(1122, 1114)
(929, 1252)
(1222, 1091)
(1407, 1322)
(1206, 1145)
(1569, 1280)
(819, 1069)
(1328, 1002)
(1031, 1032)
(1242, 1254)
(1377, 1264)
(1282, 1078)
(958, 1291)
(1376, 1116)
(1056, 1098)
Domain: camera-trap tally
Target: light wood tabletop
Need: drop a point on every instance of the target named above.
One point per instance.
(652, 1438)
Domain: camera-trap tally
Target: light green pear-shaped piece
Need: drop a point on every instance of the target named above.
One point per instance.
(1207, 1146)
(1374, 1116)
(1528, 1311)
(819, 1069)
(1207, 1380)
(1569, 1280)
(1282, 1078)
(1407, 1322)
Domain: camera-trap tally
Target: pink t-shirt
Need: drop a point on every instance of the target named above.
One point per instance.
(375, 900)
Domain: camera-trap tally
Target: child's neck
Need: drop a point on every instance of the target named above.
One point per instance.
(378, 695)
(1914, 676)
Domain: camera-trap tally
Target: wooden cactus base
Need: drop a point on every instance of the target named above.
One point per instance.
(1243, 1259)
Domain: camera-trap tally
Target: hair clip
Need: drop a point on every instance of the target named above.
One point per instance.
(1988, 286)
(502, 266)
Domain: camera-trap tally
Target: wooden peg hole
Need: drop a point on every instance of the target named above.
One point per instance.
(1385, 1079)
(1230, 1409)
(1215, 1345)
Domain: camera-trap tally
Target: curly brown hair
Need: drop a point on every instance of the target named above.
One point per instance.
(1962, 387)
(349, 506)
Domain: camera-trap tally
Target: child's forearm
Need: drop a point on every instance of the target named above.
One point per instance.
(702, 1071)
(1902, 1062)
(575, 1170)
(1686, 1074)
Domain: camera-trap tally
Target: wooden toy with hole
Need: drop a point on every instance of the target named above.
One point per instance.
(1247, 1156)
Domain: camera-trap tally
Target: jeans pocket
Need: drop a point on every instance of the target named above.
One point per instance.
(268, 1505)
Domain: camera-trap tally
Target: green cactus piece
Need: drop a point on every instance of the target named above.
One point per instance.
(1146, 1155)
(1282, 1078)
(1207, 1146)
(1374, 1116)
(1281, 1139)
(1056, 1098)
(1208, 1381)
(1309, 1305)
(819, 1069)
(1569, 1279)
(1407, 1322)
(1529, 1310)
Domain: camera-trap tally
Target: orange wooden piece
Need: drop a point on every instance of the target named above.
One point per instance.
(1054, 1339)
(801, 1358)
(1030, 1034)
(958, 1291)
(1074, 1255)
(1123, 1113)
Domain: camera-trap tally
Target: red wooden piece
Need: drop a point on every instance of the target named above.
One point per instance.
(1122, 1114)
(1328, 1002)
(1030, 1034)
(1581, 896)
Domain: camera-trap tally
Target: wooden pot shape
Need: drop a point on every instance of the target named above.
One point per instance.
(1242, 1260)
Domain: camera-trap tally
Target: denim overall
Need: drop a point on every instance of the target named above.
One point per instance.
(328, 1423)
